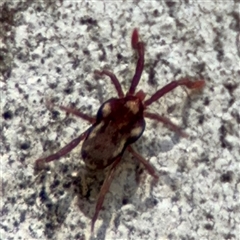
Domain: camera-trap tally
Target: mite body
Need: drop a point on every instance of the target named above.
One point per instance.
(119, 123)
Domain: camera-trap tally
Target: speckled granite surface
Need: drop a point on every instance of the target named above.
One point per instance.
(49, 52)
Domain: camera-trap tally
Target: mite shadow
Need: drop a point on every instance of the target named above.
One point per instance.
(58, 190)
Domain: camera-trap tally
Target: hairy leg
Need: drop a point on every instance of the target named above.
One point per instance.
(104, 189)
(66, 149)
(169, 87)
(114, 80)
(165, 121)
(78, 114)
(139, 47)
(72, 111)
(142, 160)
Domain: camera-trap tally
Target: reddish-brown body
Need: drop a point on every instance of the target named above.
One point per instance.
(119, 122)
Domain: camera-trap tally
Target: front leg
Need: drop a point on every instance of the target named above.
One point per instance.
(172, 85)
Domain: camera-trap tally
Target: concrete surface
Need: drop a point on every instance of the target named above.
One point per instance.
(49, 53)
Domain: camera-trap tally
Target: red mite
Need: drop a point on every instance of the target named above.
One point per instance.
(118, 124)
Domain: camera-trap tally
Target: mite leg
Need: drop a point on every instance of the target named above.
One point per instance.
(104, 190)
(78, 114)
(146, 164)
(169, 87)
(72, 111)
(166, 121)
(139, 47)
(40, 162)
(114, 80)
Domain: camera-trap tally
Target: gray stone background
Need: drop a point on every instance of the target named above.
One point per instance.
(49, 50)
